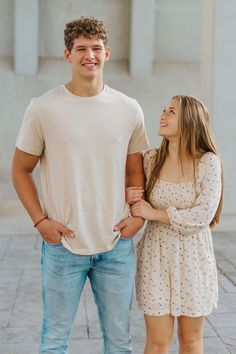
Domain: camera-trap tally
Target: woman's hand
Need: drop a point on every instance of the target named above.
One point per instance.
(133, 194)
(144, 210)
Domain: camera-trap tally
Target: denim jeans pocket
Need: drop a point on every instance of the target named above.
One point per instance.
(126, 238)
(53, 244)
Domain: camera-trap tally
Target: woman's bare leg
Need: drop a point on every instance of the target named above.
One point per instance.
(159, 334)
(190, 333)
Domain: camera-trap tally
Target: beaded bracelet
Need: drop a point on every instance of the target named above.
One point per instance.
(40, 220)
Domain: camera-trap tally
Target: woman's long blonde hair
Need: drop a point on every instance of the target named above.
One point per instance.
(195, 136)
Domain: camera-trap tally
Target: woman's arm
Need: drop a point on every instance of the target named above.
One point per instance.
(200, 215)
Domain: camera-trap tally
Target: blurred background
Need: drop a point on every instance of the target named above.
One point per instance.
(159, 48)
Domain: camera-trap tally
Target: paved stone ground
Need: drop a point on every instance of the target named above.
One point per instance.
(20, 303)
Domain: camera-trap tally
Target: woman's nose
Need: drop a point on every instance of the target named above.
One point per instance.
(163, 115)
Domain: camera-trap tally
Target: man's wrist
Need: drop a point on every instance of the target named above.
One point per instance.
(39, 221)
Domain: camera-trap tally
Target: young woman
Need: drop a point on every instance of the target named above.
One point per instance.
(176, 273)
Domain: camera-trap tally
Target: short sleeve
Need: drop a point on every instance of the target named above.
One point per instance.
(30, 137)
(193, 220)
(139, 141)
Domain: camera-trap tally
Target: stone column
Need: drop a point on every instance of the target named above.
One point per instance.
(26, 36)
(218, 86)
(207, 51)
(142, 37)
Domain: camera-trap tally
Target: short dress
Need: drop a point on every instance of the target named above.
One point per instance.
(176, 267)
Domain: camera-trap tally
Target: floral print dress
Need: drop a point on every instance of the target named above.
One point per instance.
(176, 271)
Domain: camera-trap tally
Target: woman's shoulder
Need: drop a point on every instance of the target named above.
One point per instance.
(148, 154)
(209, 158)
(148, 159)
(209, 161)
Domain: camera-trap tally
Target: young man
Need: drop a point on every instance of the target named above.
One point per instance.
(88, 139)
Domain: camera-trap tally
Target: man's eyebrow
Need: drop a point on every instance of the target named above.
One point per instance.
(172, 108)
(83, 46)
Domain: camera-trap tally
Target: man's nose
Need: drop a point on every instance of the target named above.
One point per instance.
(89, 54)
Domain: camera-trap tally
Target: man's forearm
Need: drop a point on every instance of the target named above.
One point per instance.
(134, 171)
(28, 194)
(135, 180)
(50, 230)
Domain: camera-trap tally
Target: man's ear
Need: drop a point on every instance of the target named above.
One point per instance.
(107, 54)
(67, 55)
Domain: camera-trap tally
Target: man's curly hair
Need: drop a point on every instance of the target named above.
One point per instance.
(89, 27)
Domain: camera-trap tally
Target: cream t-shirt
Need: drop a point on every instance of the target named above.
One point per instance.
(83, 144)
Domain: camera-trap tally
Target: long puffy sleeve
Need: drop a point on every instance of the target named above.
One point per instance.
(199, 216)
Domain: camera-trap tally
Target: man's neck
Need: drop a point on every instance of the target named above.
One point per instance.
(85, 88)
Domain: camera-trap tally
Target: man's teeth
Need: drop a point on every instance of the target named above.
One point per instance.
(89, 64)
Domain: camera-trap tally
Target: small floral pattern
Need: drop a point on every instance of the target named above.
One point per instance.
(176, 272)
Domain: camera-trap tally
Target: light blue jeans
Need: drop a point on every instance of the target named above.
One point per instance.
(111, 275)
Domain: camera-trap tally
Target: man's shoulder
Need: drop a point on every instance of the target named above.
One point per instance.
(47, 96)
(122, 97)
